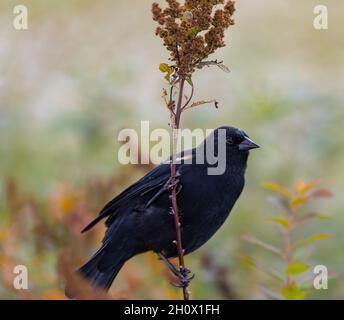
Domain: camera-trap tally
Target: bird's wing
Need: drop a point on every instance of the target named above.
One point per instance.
(153, 180)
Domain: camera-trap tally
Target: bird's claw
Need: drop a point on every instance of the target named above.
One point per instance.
(182, 275)
(184, 279)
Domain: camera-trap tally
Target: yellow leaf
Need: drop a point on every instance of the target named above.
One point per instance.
(53, 295)
(284, 222)
(293, 292)
(67, 203)
(313, 238)
(248, 261)
(303, 187)
(325, 216)
(297, 201)
(296, 268)
(186, 8)
(164, 67)
(278, 188)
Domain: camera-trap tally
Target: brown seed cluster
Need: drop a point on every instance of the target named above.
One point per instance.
(193, 30)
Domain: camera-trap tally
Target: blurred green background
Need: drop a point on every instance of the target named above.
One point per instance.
(86, 69)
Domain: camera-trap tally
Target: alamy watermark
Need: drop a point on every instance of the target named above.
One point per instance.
(21, 17)
(320, 21)
(320, 280)
(21, 277)
(212, 152)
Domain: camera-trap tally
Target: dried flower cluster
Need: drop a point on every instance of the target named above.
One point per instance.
(193, 30)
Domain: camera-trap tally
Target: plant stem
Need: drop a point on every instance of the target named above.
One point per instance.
(289, 245)
(175, 128)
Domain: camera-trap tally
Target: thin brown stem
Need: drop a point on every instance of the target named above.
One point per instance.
(175, 127)
(190, 98)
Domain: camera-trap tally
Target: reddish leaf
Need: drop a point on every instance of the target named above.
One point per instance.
(322, 193)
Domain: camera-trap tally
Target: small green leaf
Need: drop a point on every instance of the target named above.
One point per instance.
(168, 75)
(325, 216)
(278, 188)
(189, 81)
(164, 67)
(297, 268)
(284, 222)
(200, 103)
(313, 238)
(293, 292)
(248, 261)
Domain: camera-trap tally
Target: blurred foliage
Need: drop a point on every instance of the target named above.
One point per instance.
(86, 69)
(294, 253)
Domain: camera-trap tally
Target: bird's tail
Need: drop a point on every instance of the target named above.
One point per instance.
(98, 272)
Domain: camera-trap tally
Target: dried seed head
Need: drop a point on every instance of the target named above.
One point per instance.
(193, 31)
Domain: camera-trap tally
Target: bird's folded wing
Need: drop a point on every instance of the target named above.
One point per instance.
(153, 180)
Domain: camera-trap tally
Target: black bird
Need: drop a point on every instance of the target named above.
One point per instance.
(140, 219)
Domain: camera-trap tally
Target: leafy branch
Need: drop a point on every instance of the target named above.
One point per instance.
(293, 203)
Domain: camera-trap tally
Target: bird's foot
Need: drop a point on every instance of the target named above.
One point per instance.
(182, 275)
(184, 279)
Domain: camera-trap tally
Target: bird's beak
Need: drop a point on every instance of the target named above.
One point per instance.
(248, 144)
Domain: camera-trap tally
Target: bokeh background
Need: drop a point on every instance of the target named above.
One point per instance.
(86, 69)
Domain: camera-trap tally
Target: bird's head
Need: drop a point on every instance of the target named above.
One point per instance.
(235, 139)
(227, 148)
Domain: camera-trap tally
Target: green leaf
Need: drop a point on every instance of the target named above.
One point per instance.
(325, 216)
(277, 188)
(284, 222)
(189, 81)
(297, 268)
(200, 103)
(164, 67)
(248, 261)
(293, 292)
(262, 244)
(168, 75)
(311, 239)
